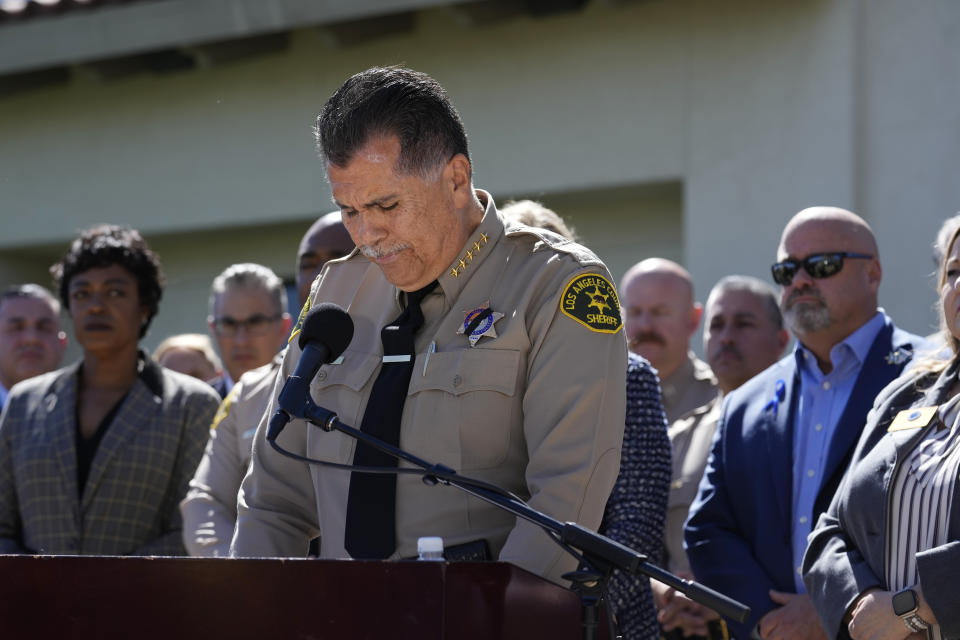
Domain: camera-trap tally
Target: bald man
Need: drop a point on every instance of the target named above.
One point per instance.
(784, 437)
(659, 317)
(326, 239)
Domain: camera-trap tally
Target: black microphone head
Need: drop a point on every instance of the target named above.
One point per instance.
(328, 324)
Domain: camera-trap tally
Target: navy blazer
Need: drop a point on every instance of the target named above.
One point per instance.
(738, 533)
(847, 550)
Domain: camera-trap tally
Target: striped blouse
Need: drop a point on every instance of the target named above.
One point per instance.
(922, 497)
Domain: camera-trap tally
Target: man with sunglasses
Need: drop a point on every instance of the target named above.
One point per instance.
(785, 436)
(248, 319)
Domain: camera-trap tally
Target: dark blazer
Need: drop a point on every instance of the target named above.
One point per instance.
(137, 478)
(738, 533)
(219, 385)
(637, 506)
(847, 550)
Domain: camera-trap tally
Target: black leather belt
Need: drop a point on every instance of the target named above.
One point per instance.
(474, 551)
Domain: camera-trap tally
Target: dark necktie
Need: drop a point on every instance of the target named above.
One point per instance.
(370, 530)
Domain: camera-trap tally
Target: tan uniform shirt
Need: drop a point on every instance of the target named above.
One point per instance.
(691, 386)
(538, 408)
(210, 508)
(691, 437)
(688, 396)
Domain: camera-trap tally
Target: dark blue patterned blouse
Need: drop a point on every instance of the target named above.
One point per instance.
(637, 506)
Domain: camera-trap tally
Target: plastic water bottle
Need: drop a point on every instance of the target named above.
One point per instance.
(430, 548)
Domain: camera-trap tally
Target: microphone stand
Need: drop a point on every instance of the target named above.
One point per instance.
(600, 553)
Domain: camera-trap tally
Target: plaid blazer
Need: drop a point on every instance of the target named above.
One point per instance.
(137, 478)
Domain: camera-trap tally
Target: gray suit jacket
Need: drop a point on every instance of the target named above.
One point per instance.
(137, 477)
(847, 549)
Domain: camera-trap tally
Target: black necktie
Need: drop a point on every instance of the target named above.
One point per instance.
(370, 530)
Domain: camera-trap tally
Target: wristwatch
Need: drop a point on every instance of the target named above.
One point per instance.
(905, 604)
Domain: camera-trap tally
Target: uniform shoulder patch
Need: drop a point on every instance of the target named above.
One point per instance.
(224, 408)
(300, 318)
(591, 300)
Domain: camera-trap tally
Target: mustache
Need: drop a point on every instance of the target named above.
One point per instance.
(647, 336)
(805, 292)
(380, 250)
(730, 349)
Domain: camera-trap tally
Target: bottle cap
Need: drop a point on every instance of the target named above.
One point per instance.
(430, 545)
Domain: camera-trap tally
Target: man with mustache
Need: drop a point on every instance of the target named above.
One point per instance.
(497, 352)
(743, 334)
(784, 437)
(31, 341)
(660, 316)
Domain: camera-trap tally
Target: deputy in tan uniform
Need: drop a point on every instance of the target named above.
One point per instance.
(743, 334)
(210, 507)
(661, 316)
(531, 398)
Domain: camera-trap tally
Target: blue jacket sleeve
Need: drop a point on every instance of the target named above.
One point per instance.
(720, 556)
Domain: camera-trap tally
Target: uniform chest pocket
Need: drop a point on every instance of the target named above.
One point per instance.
(339, 387)
(465, 409)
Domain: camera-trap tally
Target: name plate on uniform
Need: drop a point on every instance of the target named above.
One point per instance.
(913, 418)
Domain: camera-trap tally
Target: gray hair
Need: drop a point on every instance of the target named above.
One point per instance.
(249, 275)
(754, 286)
(34, 291)
(198, 342)
(534, 214)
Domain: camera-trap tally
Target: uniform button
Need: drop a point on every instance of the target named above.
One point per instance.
(803, 519)
(799, 571)
(322, 375)
(826, 386)
(457, 380)
(819, 427)
(811, 473)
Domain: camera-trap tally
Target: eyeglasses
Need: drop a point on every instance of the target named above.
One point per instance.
(819, 265)
(256, 325)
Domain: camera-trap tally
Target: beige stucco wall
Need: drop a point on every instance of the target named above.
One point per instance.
(684, 128)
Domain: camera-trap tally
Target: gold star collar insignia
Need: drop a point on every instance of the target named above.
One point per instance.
(460, 264)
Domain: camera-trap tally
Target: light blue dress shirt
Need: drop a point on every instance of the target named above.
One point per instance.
(822, 401)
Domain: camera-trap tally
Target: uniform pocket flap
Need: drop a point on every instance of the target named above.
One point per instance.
(353, 372)
(467, 370)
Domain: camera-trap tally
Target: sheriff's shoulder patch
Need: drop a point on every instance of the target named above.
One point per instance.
(224, 408)
(300, 318)
(592, 301)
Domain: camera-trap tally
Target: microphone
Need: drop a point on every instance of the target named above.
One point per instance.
(326, 332)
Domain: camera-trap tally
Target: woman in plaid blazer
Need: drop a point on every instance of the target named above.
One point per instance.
(95, 458)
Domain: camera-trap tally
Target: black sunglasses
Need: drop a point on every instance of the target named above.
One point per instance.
(819, 265)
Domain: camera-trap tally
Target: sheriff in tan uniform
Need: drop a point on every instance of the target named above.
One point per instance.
(210, 508)
(533, 401)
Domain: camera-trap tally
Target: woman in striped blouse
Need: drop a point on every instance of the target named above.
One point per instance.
(883, 561)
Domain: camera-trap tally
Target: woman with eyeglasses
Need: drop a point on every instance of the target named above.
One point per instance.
(882, 562)
(95, 458)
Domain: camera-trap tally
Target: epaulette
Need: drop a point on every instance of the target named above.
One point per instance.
(545, 239)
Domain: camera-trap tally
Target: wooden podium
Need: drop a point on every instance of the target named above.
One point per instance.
(134, 598)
